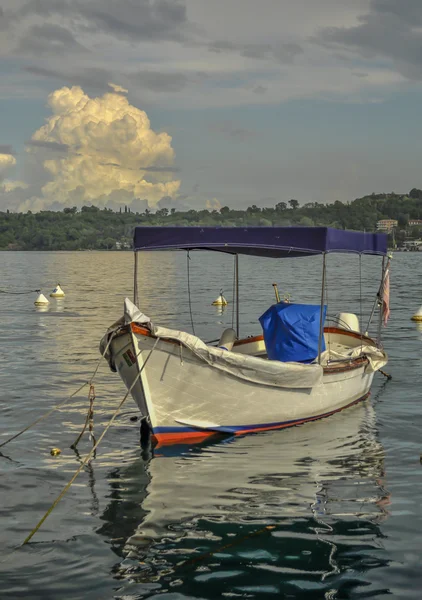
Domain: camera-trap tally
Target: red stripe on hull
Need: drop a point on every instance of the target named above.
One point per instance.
(166, 439)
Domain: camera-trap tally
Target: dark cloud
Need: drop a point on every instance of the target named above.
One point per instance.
(282, 53)
(231, 131)
(98, 79)
(55, 146)
(160, 169)
(154, 20)
(136, 19)
(152, 169)
(390, 30)
(6, 149)
(48, 39)
(259, 89)
(42, 71)
(157, 81)
(90, 78)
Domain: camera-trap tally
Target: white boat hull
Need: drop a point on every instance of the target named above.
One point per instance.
(186, 399)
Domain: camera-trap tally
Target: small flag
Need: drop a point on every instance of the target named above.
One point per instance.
(386, 298)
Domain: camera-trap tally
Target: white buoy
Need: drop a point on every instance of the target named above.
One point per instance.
(220, 301)
(417, 316)
(57, 292)
(41, 300)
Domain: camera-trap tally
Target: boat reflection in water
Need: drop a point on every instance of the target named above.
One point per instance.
(277, 512)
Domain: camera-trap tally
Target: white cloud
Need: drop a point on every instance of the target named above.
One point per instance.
(10, 185)
(213, 204)
(107, 146)
(6, 162)
(118, 88)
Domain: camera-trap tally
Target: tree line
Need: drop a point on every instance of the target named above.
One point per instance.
(92, 228)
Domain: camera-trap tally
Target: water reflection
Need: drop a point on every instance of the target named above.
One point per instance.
(418, 327)
(220, 310)
(42, 308)
(303, 504)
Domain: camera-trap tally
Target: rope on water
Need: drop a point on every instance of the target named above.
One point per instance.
(18, 293)
(63, 402)
(44, 416)
(89, 419)
(93, 449)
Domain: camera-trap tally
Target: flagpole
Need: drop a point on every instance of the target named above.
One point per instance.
(378, 297)
(381, 295)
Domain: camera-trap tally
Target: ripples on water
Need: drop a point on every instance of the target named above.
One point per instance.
(330, 509)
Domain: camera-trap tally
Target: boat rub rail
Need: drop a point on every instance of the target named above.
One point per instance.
(339, 368)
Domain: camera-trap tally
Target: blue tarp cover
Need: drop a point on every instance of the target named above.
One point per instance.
(291, 331)
(274, 242)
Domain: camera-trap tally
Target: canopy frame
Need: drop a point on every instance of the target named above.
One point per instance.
(275, 242)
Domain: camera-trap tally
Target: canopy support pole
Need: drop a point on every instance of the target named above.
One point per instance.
(236, 269)
(321, 316)
(135, 280)
(385, 266)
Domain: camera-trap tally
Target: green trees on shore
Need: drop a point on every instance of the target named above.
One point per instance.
(100, 229)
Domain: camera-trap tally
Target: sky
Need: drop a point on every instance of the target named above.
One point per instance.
(194, 104)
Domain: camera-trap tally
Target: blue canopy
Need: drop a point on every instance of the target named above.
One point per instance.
(260, 241)
(291, 331)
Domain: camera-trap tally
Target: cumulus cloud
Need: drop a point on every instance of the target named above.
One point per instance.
(11, 186)
(95, 150)
(6, 162)
(213, 204)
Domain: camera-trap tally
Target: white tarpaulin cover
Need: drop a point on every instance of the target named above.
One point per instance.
(251, 368)
(377, 357)
(242, 366)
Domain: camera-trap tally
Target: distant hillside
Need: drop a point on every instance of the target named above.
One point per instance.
(92, 228)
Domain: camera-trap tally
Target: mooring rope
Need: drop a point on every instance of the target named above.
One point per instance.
(63, 402)
(93, 449)
(18, 293)
(44, 416)
(89, 419)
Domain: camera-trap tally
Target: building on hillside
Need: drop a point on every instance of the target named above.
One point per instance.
(415, 223)
(387, 225)
(412, 245)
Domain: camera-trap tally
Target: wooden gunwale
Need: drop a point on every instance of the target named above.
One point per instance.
(341, 367)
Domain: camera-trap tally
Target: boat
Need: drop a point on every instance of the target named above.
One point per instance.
(302, 368)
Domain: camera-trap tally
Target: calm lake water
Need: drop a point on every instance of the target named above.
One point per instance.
(330, 509)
